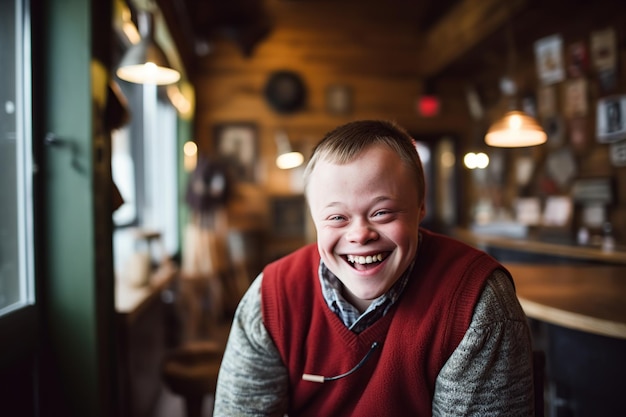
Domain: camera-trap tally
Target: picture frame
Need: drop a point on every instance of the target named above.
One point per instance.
(528, 211)
(338, 99)
(617, 151)
(604, 49)
(549, 59)
(577, 127)
(578, 59)
(557, 211)
(611, 119)
(237, 144)
(575, 97)
(561, 167)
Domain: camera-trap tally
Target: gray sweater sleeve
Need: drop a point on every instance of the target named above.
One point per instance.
(489, 374)
(252, 380)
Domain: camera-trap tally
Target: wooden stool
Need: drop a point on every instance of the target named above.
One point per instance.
(191, 372)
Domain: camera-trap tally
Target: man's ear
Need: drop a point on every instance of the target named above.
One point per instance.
(422, 212)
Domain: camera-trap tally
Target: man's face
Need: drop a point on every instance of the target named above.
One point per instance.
(367, 215)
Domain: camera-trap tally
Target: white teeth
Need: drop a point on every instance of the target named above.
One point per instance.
(365, 259)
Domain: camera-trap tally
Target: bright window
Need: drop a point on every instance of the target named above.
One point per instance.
(16, 213)
(144, 170)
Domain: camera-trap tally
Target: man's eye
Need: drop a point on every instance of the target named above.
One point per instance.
(336, 218)
(381, 213)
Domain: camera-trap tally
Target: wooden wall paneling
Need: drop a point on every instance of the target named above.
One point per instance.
(373, 53)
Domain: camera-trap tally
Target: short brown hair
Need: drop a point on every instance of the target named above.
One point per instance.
(344, 143)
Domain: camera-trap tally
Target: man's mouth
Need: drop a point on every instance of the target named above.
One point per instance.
(361, 262)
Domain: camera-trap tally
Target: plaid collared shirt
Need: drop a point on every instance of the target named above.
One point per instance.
(349, 315)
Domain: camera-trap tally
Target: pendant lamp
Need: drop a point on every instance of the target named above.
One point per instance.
(287, 158)
(145, 62)
(516, 129)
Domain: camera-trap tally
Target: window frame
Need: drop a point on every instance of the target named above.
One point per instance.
(19, 322)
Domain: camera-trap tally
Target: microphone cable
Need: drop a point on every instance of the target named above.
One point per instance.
(322, 379)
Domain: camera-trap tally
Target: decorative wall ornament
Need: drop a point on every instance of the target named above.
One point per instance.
(557, 211)
(618, 153)
(285, 91)
(604, 57)
(549, 59)
(577, 59)
(611, 119)
(561, 166)
(604, 50)
(237, 144)
(578, 133)
(338, 99)
(575, 97)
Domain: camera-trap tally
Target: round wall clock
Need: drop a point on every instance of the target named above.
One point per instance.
(285, 91)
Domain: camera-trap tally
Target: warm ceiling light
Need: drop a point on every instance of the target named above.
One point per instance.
(515, 130)
(287, 158)
(478, 160)
(145, 62)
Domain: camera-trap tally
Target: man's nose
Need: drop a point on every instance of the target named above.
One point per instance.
(361, 232)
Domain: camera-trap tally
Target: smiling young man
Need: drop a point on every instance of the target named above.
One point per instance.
(381, 317)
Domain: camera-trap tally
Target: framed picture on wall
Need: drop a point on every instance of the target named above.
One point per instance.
(237, 144)
(549, 59)
(575, 97)
(338, 99)
(611, 119)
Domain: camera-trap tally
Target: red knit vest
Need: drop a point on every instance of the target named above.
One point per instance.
(416, 337)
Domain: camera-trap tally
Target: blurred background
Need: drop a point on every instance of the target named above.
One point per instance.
(140, 205)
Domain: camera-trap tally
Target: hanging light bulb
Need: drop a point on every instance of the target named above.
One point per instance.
(476, 160)
(145, 62)
(515, 129)
(287, 158)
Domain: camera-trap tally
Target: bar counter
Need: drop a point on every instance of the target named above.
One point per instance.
(575, 300)
(589, 298)
(536, 247)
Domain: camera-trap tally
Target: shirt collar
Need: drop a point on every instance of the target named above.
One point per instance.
(350, 315)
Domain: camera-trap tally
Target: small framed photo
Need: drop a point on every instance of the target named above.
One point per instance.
(575, 97)
(611, 119)
(604, 49)
(338, 99)
(528, 211)
(617, 150)
(578, 133)
(237, 144)
(549, 58)
(578, 59)
(561, 166)
(557, 211)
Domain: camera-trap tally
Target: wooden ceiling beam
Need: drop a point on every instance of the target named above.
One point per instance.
(463, 28)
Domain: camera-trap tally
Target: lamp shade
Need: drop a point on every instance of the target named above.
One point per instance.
(145, 62)
(515, 130)
(287, 158)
